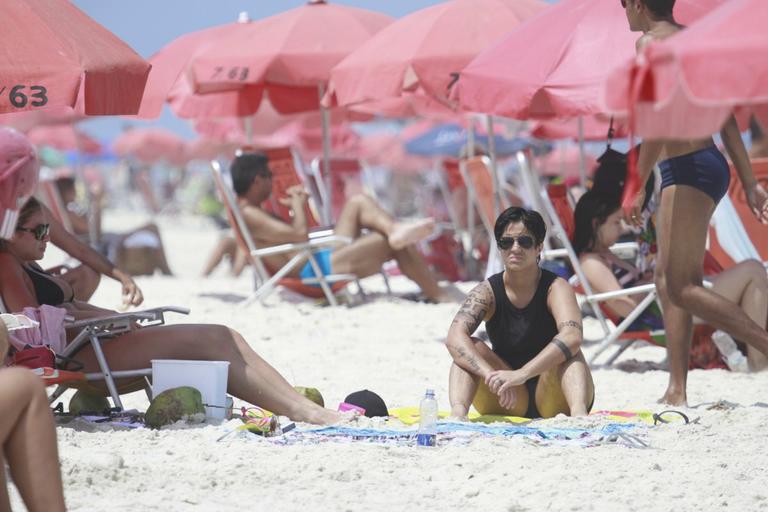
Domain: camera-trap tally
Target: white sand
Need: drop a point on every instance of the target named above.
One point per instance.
(394, 348)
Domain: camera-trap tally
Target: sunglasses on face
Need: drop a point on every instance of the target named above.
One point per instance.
(523, 241)
(40, 231)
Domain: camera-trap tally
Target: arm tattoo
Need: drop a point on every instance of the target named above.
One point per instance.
(563, 348)
(473, 310)
(569, 323)
(469, 358)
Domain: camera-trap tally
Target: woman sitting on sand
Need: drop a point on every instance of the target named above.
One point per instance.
(23, 283)
(598, 226)
(28, 439)
(534, 367)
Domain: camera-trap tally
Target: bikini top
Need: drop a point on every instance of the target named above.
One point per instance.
(626, 275)
(47, 290)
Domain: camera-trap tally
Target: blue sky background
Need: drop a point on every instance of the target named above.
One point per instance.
(148, 25)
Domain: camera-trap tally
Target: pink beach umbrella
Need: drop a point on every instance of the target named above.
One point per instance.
(150, 145)
(52, 55)
(594, 128)
(566, 162)
(64, 137)
(556, 63)
(288, 55)
(423, 50)
(688, 85)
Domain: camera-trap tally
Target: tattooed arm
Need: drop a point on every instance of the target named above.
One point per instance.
(477, 307)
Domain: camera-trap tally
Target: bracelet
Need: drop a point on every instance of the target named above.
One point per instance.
(563, 348)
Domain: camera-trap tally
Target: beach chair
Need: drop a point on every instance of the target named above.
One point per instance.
(266, 281)
(736, 234)
(100, 330)
(49, 194)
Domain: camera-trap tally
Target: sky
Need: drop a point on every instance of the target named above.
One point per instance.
(148, 25)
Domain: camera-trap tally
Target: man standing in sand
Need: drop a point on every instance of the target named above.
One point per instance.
(695, 176)
(386, 238)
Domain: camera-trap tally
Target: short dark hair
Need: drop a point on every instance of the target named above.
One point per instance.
(660, 8)
(531, 219)
(245, 168)
(593, 205)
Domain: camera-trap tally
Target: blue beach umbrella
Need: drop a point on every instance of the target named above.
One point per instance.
(450, 139)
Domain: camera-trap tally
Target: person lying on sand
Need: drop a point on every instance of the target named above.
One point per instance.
(386, 238)
(24, 284)
(28, 438)
(534, 367)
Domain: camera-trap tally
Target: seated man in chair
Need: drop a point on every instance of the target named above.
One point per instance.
(386, 238)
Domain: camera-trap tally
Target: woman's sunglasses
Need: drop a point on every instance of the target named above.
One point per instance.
(507, 242)
(40, 231)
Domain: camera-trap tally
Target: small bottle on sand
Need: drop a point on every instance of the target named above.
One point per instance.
(732, 356)
(427, 420)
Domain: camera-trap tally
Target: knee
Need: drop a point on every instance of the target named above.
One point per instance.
(26, 385)
(757, 272)
(93, 277)
(360, 199)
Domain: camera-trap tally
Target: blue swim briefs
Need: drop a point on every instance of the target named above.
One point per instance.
(705, 169)
(323, 258)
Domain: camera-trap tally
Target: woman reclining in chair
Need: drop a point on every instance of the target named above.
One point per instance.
(598, 226)
(23, 283)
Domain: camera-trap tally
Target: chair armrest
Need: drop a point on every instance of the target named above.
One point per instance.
(643, 288)
(154, 316)
(303, 246)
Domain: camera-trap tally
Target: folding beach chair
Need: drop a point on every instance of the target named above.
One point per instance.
(737, 235)
(49, 195)
(265, 281)
(96, 331)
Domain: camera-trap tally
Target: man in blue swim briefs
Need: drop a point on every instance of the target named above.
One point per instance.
(695, 176)
(384, 238)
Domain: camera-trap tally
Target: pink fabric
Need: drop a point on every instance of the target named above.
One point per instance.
(52, 44)
(555, 64)
(689, 84)
(51, 331)
(421, 50)
(64, 137)
(287, 55)
(595, 128)
(151, 145)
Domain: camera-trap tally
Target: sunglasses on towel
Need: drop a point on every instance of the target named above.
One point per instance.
(523, 241)
(40, 231)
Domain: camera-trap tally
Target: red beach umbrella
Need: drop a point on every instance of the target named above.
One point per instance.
(688, 85)
(53, 55)
(423, 49)
(150, 145)
(555, 64)
(64, 137)
(288, 55)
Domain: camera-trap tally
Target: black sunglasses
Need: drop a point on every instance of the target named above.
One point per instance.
(40, 231)
(507, 242)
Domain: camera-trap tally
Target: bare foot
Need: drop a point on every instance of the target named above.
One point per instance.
(677, 398)
(406, 233)
(322, 416)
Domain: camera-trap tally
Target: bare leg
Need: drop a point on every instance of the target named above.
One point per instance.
(566, 389)
(685, 213)
(251, 378)
(746, 284)
(29, 441)
(226, 247)
(465, 388)
(364, 258)
(83, 280)
(362, 212)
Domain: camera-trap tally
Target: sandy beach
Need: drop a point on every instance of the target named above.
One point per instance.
(395, 348)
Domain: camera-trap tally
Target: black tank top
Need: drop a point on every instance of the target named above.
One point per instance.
(46, 290)
(518, 334)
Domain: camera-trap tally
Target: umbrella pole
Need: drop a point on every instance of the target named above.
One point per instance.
(494, 173)
(326, 125)
(582, 155)
(248, 126)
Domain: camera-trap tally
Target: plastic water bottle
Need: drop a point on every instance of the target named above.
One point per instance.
(733, 357)
(427, 420)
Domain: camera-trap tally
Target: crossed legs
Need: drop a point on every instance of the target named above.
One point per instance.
(250, 378)
(29, 442)
(566, 389)
(684, 220)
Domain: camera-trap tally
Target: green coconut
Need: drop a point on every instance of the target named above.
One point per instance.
(311, 393)
(84, 401)
(183, 403)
